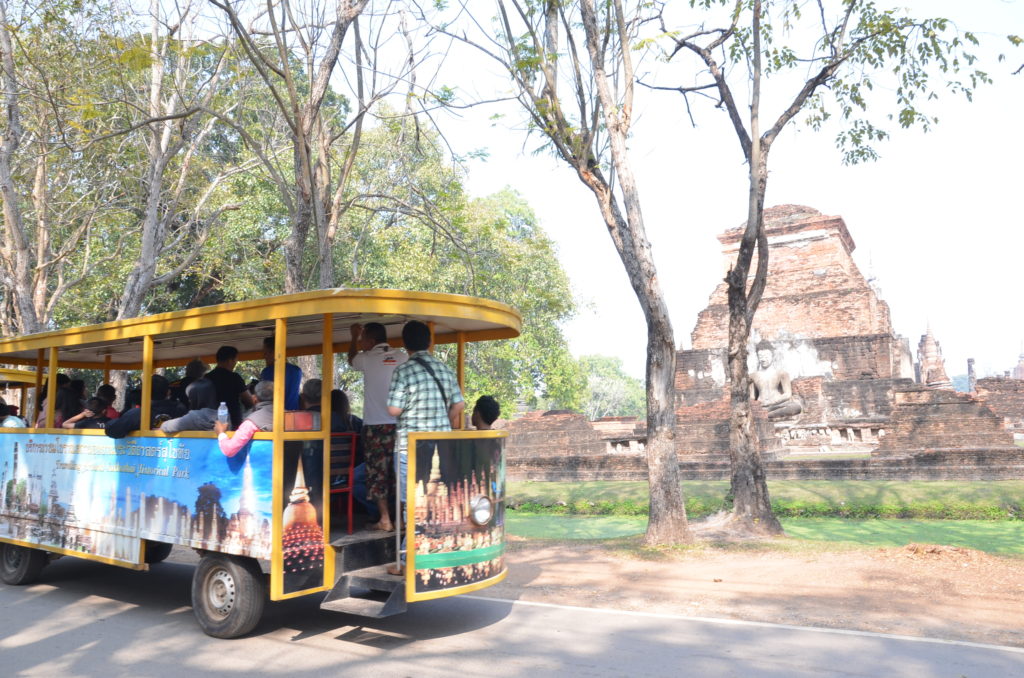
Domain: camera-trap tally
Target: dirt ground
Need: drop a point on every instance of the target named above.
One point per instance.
(918, 590)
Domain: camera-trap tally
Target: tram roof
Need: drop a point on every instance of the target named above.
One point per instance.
(17, 378)
(180, 336)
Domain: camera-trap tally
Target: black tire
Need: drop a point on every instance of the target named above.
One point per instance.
(228, 594)
(20, 564)
(157, 551)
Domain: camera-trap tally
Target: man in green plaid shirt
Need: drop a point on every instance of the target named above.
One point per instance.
(424, 396)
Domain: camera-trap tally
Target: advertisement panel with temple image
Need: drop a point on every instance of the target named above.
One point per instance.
(458, 511)
(96, 496)
(302, 529)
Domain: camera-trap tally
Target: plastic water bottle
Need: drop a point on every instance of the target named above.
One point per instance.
(222, 413)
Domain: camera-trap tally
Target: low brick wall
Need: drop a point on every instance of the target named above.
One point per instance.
(974, 464)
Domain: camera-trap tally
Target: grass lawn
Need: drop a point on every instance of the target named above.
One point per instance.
(1002, 537)
(875, 492)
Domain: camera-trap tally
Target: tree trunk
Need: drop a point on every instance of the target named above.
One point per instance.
(667, 523)
(17, 273)
(751, 509)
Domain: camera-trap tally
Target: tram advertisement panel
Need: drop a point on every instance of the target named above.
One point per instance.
(458, 510)
(99, 496)
(302, 516)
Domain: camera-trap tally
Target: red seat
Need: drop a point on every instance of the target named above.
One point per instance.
(342, 469)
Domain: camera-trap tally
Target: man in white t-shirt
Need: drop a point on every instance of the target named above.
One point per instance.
(377, 361)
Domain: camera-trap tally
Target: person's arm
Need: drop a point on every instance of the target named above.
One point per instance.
(70, 423)
(353, 346)
(126, 423)
(455, 414)
(180, 424)
(246, 398)
(396, 394)
(233, 445)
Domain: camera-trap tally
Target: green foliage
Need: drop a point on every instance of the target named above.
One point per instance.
(610, 391)
(998, 500)
(846, 57)
(831, 533)
(989, 536)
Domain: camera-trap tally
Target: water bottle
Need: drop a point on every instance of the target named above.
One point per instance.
(222, 413)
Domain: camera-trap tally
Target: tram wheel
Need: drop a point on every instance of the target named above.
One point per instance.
(157, 551)
(20, 564)
(228, 594)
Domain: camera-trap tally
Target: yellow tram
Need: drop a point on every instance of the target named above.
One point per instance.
(262, 520)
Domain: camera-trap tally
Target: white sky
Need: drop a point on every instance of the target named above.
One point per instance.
(936, 216)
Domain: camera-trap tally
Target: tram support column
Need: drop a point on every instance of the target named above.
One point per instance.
(51, 389)
(461, 370)
(146, 420)
(37, 401)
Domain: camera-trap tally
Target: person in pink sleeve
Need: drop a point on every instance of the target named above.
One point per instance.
(261, 418)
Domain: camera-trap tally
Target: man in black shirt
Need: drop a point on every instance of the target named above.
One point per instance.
(229, 384)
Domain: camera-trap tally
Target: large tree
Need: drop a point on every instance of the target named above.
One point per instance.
(61, 190)
(824, 59)
(295, 48)
(571, 69)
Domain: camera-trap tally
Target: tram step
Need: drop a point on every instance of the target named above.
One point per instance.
(369, 592)
(363, 550)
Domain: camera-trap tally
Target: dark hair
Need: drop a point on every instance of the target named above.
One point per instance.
(268, 342)
(195, 369)
(62, 379)
(132, 399)
(226, 353)
(764, 345)
(202, 394)
(5, 409)
(339, 403)
(416, 336)
(107, 392)
(160, 387)
(77, 386)
(67, 403)
(488, 408)
(377, 332)
(97, 405)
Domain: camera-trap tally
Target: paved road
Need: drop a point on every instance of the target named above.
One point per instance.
(87, 619)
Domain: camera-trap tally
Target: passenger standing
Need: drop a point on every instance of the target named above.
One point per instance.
(424, 396)
(292, 376)
(377, 361)
(229, 385)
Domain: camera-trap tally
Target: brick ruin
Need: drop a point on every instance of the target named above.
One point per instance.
(854, 386)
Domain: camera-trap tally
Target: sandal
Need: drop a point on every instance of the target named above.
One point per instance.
(396, 570)
(376, 527)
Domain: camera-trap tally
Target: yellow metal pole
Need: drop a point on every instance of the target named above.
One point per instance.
(461, 366)
(326, 386)
(37, 401)
(460, 369)
(280, 357)
(277, 554)
(146, 421)
(51, 389)
(327, 369)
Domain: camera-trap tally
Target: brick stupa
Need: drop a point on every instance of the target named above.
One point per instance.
(823, 323)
